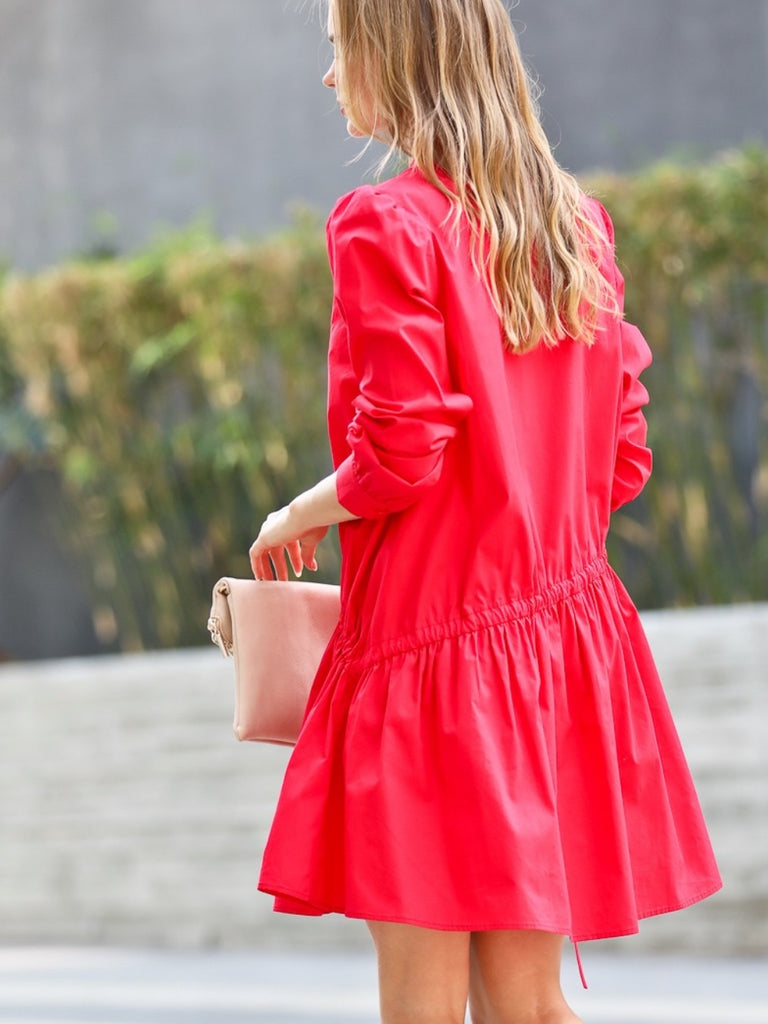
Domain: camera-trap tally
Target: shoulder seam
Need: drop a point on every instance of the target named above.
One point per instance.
(375, 194)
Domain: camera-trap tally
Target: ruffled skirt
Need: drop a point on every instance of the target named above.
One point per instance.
(515, 769)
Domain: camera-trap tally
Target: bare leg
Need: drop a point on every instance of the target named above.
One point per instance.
(515, 979)
(423, 974)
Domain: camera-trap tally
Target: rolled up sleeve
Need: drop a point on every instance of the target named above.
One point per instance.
(634, 459)
(406, 410)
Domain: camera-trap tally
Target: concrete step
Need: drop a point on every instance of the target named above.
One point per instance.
(130, 815)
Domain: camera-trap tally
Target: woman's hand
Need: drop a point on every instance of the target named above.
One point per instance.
(292, 533)
(278, 543)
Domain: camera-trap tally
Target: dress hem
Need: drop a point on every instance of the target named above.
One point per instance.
(318, 910)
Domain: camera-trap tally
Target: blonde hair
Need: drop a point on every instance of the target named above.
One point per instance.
(447, 81)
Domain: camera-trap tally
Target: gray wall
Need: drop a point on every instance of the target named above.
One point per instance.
(627, 82)
(153, 112)
(116, 117)
(129, 813)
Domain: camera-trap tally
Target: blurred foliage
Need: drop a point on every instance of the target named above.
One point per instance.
(693, 245)
(180, 395)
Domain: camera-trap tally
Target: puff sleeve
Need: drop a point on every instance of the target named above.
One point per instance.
(406, 410)
(634, 458)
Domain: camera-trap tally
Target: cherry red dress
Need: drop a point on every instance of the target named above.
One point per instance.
(487, 744)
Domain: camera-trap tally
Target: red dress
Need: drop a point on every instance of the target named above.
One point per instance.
(487, 744)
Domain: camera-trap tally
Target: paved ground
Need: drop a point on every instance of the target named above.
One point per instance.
(100, 986)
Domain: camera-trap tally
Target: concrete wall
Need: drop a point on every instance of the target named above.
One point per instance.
(154, 112)
(117, 117)
(628, 82)
(129, 814)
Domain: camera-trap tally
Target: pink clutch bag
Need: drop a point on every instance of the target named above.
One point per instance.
(277, 633)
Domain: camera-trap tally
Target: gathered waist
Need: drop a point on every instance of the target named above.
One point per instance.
(362, 653)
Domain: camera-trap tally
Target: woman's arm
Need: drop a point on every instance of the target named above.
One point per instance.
(406, 409)
(293, 533)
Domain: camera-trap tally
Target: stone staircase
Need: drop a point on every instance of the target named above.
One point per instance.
(130, 815)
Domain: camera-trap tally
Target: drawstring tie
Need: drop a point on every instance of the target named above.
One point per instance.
(580, 965)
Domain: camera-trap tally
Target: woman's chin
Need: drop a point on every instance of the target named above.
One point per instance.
(354, 131)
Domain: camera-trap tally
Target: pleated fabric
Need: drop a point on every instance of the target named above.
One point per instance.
(487, 743)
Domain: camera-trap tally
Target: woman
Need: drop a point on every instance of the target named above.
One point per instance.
(487, 763)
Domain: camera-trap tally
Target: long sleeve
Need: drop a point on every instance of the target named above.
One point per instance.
(406, 409)
(634, 458)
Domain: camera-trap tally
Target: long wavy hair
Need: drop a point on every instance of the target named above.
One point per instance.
(449, 89)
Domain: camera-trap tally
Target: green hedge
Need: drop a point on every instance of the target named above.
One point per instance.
(693, 244)
(180, 395)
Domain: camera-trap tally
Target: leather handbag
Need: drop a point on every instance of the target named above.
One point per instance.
(277, 633)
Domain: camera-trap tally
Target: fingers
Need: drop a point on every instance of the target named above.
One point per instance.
(260, 564)
(280, 562)
(277, 567)
(294, 554)
(308, 550)
(309, 543)
(272, 563)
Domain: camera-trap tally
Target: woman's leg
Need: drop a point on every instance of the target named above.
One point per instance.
(423, 974)
(515, 979)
